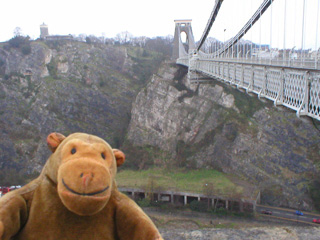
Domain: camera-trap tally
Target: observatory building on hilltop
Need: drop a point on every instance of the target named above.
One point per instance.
(44, 34)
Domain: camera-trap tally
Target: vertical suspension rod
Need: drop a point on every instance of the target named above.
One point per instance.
(302, 40)
(316, 45)
(284, 32)
(263, 7)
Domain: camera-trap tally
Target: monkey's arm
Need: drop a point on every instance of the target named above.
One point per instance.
(13, 214)
(132, 223)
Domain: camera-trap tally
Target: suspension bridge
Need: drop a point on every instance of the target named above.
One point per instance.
(285, 68)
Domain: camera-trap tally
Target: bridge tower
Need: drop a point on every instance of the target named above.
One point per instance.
(178, 46)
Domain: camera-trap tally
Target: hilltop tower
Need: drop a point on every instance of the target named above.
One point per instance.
(44, 32)
(179, 49)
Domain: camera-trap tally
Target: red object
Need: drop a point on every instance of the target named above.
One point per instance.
(5, 190)
(316, 220)
(266, 212)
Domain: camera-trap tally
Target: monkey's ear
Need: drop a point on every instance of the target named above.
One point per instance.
(120, 157)
(54, 140)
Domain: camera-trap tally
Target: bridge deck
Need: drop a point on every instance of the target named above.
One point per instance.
(294, 88)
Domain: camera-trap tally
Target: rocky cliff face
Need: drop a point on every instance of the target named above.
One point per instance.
(72, 86)
(65, 87)
(217, 126)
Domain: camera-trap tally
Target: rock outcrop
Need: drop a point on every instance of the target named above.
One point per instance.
(62, 86)
(73, 86)
(217, 126)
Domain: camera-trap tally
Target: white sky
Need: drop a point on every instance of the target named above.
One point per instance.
(156, 18)
(139, 17)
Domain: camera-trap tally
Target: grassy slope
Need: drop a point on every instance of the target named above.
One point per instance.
(179, 180)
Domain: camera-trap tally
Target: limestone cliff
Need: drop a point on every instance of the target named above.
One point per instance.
(217, 126)
(73, 86)
(63, 86)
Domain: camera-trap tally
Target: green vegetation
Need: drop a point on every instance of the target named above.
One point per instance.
(178, 180)
(146, 62)
(186, 150)
(198, 206)
(247, 104)
(57, 44)
(11, 176)
(315, 192)
(20, 42)
(53, 69)
(314, 154)
(142, 157)
(144, 202)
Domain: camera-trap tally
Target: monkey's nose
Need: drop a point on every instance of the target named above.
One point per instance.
(86, 178)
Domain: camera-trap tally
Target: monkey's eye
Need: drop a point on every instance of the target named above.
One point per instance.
(103, 156)
(73, 151)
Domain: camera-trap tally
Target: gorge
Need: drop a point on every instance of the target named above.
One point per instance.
(141, 102)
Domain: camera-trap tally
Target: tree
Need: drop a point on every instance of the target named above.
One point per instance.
(17, 32)
(314, 190)
(124, 37)
(140, 41)
(26, 49)
(150, 188)
(160, 44)
(22, 43)
(103, 37)
(210, 45)
(88, 40)
(208, 189)
(82, 37)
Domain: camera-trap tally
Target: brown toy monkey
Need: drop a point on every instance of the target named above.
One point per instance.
(75, 197)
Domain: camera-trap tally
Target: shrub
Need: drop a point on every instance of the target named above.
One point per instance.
(315, 193)
(199, 206)
(144, 202)
(221, 211)
(53, 69)
(22, 43)
(88, 40)
(26, 49)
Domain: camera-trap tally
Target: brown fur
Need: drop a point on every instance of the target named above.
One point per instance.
(75, 197)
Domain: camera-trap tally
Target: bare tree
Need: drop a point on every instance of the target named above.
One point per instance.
(209, 45)
(151, 188)
(209, 190)
(17, 32)
(140, 41)
(124, 37)
(82, 37)
(237, 195)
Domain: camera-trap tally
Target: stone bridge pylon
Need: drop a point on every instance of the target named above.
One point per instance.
(181, 49)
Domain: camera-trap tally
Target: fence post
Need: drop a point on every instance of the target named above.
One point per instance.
(242, 76)
(235, 73)
(303, 109)
(223, 71)
(228, 73)
(264, 83)
(250, 86)
(279, 98)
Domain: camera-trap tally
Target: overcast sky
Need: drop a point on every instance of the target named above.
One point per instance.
(139, 17)
(156, 18)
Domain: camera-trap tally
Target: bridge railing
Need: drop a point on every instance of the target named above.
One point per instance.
(295, 88)
(183, 61)
(306, 62)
